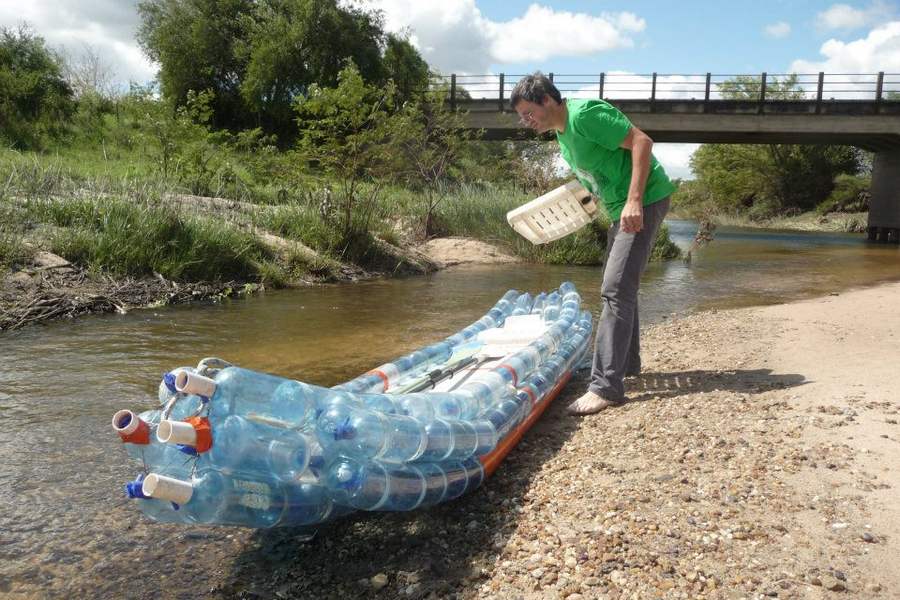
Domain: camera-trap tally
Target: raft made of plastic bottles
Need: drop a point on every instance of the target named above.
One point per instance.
(232, 446)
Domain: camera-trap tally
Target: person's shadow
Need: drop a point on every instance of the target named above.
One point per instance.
(444, 549)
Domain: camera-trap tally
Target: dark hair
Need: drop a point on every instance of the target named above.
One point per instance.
(533, 88)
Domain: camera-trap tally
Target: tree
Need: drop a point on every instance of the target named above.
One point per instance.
(767, 179)
(35, 100)
(405, 67)
(259, 56)
(88, 74)
(290, 44)
(350, 131)
(434, 142)
(194, 41)
(746, 87)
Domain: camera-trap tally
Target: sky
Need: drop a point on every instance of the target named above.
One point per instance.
(488, 37)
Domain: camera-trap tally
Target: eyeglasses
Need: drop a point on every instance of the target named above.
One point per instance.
(526, 118)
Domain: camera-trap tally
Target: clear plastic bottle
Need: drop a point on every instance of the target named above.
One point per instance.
(237, 391)
(523, 305)
(552, 306)
(359, 432)
(373, 486)
(146, 448)
(537, 308)
(250, 500)
(240, 445)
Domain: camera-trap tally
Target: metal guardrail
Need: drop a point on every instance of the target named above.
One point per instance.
(820, 87)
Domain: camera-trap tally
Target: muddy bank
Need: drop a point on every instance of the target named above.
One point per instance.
(50, 287)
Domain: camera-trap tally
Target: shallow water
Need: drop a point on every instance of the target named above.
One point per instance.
(65, 527)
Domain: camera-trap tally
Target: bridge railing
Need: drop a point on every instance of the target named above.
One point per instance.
(763, 87)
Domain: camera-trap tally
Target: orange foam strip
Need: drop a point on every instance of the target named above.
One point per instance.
(492, 460)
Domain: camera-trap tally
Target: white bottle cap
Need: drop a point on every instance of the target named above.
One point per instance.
(167, 488)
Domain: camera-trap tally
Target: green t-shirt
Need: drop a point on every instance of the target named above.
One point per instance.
(591, 144)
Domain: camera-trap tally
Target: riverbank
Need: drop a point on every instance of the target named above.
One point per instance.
(838, 222)
(758, 456)
(50, 287)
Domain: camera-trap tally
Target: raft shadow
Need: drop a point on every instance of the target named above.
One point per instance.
(441, 550)
(667, 384)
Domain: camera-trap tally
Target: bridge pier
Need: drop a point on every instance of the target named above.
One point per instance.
(884, 206)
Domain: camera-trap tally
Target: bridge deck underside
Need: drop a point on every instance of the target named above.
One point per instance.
(869, 125)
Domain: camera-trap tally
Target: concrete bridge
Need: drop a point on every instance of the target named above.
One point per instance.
(855, 110)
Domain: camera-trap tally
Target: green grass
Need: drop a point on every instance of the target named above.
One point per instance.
(119, 237)
(481, 213)
(108, 211)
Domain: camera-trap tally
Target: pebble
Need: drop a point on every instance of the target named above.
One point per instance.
(833, 584)
(378, 581)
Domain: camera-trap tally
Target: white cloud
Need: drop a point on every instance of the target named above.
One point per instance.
(780, 29)
(108, 26)
(844, 16)
(454, 36)
(516, 40)
(878, 51)
(676, 158)
(841, 16)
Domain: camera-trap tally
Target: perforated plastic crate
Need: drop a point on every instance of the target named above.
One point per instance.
(556, 214)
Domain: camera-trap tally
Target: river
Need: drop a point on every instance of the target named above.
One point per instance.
(65, 528)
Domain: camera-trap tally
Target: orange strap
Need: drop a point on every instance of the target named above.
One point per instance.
(382, 376)
(515, 378)
(204, 433)
(492, 459)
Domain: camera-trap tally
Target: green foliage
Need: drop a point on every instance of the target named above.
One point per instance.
(288, 45)
(350, 132)
(194, 42)
(746, 87)
(35, 100)
(763, 181)
(433, 143)
(405, 67)
(663, 246)
(258, 57)
(850, 194)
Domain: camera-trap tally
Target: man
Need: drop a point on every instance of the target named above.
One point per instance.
(612, 158)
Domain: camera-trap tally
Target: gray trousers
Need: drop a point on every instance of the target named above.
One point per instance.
(617, 349)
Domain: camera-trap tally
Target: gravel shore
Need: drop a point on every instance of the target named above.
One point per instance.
(747, 465)
(757, 458)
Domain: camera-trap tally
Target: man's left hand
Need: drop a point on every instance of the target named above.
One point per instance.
(632, 218)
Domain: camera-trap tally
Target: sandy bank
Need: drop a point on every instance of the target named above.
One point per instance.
(452, 251)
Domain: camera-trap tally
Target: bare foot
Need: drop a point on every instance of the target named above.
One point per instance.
(589, 404)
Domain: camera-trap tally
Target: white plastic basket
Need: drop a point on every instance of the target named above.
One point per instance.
(556, 214)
